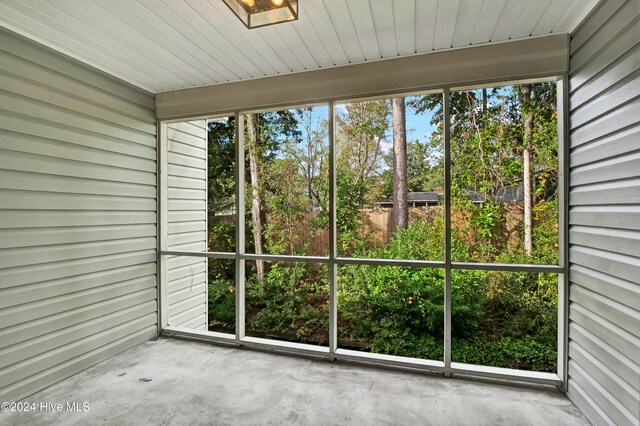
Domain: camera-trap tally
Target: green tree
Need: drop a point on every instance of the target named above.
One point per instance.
(400, 217)
(361, 133)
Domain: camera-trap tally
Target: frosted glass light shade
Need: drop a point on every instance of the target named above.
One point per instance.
(259, 13)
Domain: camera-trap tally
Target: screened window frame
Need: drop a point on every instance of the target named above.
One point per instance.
(332, 352)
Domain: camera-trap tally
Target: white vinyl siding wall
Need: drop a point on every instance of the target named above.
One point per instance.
(604, 310)
(77, 217)
(187, 224)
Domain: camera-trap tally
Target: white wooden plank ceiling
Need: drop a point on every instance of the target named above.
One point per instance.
(162, 45)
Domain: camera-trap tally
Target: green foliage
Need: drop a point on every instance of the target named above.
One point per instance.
(498, 318)
(221, 294)
(522, 353)
(222, 303)
(408, 300)
(221, 165)
(294, 304)
(222, 234)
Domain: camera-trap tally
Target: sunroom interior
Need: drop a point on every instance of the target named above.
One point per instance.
(218, 209)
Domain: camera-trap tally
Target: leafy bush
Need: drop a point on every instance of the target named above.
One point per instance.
(291, 302)
(512, 352)
(387, 304)
(222, 303)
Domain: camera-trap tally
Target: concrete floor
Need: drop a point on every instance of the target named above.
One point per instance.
(174, 382)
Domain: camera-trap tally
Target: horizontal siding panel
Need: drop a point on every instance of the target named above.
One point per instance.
(177, 138)
(30, 237)
(184, 216)
(617, 57)
(49, 59)
(603, 34)
(202, 124)
(174, 158)
(195, 324)
(193, 314)
(42, 326)
(34, 181)
(51, 218)
(617, 265)
(597, 18)
(63, 83)
(188, 149)
(187, 183)
(15, 84)
(617, 144)
(623, 167)
(604, 214)
(78, 200)
(27, 293)
(35, 310)
(195, 171)
(618, 386)
(13, 257)
(600, 349)
(189, 301)
(614, 216)
(625, 91)
(626, 317)
(186, 194)
(616, 289)
(74, 365)
(198, 246)
(57, 133)
(605, 74)
(197, 128)
(34, 200)
(613, 240)
(185, 282)
(186, 227)
(618, 118)
(30, 144)
(607, 402)
(186, 271)
(182, 261)
(18, 161)
(623, 341)
(186, 238)
(582, 399)
(50, 341)
(50, 359)
(11, 277)
(197, 288)
(187, 204)
(44, 111)
(606, 193)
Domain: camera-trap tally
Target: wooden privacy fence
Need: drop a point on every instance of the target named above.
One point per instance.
(376, 225)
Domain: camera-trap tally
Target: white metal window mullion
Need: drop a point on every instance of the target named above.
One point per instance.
(333, 235)
(163, 306)
(562, 101)
(240, 229)
(447, 230)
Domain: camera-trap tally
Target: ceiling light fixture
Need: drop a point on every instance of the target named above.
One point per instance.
(259, 13)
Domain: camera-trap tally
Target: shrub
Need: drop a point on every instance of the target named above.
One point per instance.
(394, 301)
(222, 303)
(292, 301)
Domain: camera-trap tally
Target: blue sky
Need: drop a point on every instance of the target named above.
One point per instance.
(418, 125)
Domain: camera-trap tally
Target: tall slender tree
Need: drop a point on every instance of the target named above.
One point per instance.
(253, 132)
(400, 217)
(527, 140)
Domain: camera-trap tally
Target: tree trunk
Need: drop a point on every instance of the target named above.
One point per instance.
(400, 209)
(484, 102)
(527, 116)
(253, 131)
